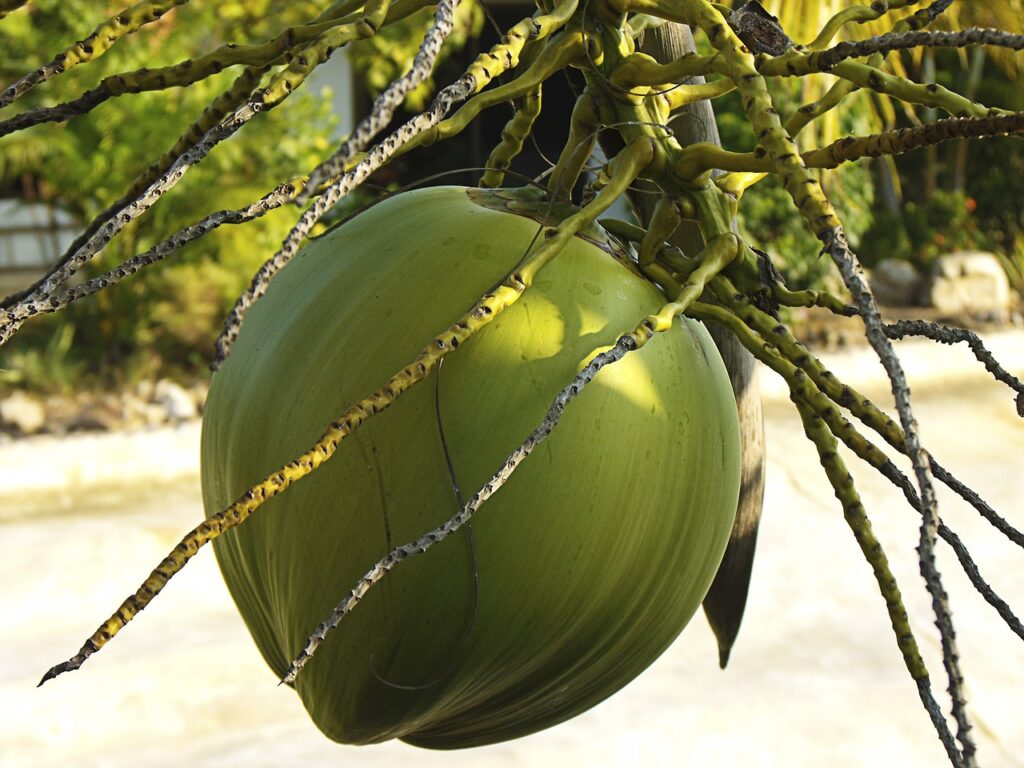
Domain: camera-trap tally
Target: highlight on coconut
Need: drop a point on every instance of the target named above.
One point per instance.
(471, 456)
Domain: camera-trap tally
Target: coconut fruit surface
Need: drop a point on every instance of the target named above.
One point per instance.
(570, 581)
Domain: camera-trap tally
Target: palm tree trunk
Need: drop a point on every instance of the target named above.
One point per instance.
(725, 603)
(974, 74)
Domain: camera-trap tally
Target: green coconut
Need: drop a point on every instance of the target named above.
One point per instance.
(571, 580)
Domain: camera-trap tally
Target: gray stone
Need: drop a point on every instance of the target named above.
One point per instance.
(23, 413)
(199, 390)
(136, 412)
(175, 400)
(97, 415)
(969, 283)
(896, 283)
(61, 411)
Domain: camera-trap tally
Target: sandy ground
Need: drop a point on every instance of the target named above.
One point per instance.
(815, 678)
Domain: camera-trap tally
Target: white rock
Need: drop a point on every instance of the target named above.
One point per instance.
(22, 412)
(971, 283)
(175, 400)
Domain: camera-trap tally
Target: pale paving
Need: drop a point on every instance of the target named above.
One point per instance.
(815, 679)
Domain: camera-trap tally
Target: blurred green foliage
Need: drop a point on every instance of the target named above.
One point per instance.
(167, 322)
(961, 195)
(767, 215)
(168, 319)
(924, 230)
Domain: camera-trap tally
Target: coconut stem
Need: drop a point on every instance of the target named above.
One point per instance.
(224, 105)
(849, 397)
(817, 211)
(820, 389)
(12, 319)
(513, 136)
(280, 87)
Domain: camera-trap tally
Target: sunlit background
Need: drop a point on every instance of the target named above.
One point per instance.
(100, 409)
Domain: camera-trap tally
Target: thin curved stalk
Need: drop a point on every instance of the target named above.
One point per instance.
(802, 392)
(486, 67)
(224, 105)
(697, 159)
(898, 41)
(557, 53)
(406, 137)
(267, 98)
(946, 335)
(385, 106)
(584, 125)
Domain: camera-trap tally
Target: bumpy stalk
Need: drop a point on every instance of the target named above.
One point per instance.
(817, 387)
(854, 14)
(835, 95)
(873, 456)
(557, 53)
(682, 95)
(946, 335)
(382, 567)
(930, 95)
(639, 70)
(853, 511)
(385, 105)
(813, 298)
(505, 55)
(699, 158)
(584, 125)
(409, 135)
(377, 157)
(803, 392)
(513, 135)
(899, 41)
(487, 66)
(664, 222)
(906, 139)
(859, 405)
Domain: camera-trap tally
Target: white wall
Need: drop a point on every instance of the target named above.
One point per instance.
(32, 235)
